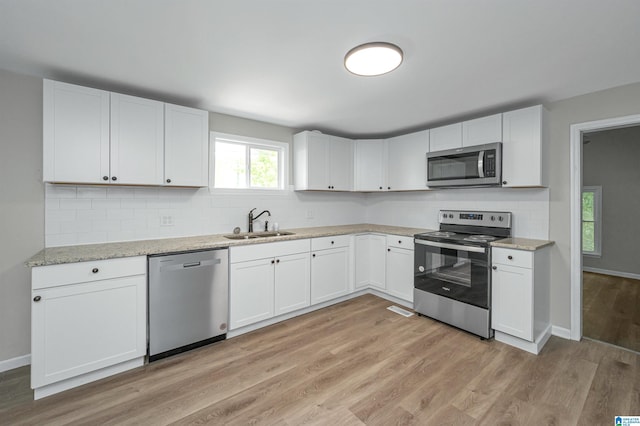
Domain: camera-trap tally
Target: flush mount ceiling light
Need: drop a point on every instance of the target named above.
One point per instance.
(371, 59)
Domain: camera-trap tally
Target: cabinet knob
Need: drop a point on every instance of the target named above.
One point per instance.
(388, 249)
(273, 261)
(510, 257)
(504, 182)
(332, 242)
(313, 255)
(380, 187)
(168, 180)
(494, 267)
(95, 270)
(114, 178)
(37, 299)
(277, 260)
(105, 177)
(399, 241)
(388, 187)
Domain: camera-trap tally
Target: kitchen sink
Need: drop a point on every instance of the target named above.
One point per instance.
(255, 235)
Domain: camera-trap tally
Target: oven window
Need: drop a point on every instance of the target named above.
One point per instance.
(457, 166)
(457, 274)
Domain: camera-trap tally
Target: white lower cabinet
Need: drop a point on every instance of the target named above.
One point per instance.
(329, 268)
(399, 277)
(520, 297)
(266, 280)
(370, 261)
(88, 320)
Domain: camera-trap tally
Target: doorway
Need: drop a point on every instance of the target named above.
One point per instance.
(578, 134)
(610, 204)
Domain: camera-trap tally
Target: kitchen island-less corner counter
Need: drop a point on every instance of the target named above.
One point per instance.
(89, 252)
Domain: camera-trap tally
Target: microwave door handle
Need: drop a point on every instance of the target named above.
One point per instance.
(481, 164)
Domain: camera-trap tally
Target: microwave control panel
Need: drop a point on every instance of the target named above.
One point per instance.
(490, 163)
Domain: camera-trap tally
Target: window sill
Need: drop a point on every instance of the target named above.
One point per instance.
(251, 192)
(592, 254)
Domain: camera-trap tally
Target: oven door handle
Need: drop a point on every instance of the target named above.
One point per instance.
(481, 164)
(452, 246)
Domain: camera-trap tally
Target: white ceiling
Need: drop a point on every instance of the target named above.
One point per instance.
(281, 61)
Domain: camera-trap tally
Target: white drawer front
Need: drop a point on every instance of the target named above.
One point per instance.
(81, 272)
(263, 251)
(324, 243)
(400, 241)
(520, 258)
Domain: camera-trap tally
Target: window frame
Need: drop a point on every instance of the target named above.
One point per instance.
(249, 142)
(597, 220)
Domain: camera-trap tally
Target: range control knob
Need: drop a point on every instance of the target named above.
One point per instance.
(450, 215)
(500, 218)
(493, 218)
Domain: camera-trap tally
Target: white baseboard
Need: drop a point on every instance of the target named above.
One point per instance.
(614, 273)
(16, 362)
(565, 333)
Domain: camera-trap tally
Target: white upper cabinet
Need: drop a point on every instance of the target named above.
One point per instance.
(186, 146)
(75, 133)
(322, 162)
(445, 137)
(93, 136)
(407, 161)
(482, 130)
(524, 147)
(370, 162)
(137, 140)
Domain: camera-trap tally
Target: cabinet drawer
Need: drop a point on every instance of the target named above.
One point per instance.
(400, 241)
(263, 251)
(324, 243)
(81, 272)
(520, 258)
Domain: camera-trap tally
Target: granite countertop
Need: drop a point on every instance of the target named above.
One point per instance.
(521, 243)
(83, 253)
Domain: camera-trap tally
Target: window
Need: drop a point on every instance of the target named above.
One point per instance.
(241, 162)
(591, 220)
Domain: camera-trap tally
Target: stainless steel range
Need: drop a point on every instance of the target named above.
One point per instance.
(452, 269)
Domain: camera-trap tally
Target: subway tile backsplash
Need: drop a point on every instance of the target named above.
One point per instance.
(88, 214)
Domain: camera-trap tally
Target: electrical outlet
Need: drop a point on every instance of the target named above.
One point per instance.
(309, 214)
(166, 221)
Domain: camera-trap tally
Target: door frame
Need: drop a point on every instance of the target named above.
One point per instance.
(576, 208)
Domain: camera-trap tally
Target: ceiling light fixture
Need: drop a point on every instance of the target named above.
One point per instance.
(372, 59)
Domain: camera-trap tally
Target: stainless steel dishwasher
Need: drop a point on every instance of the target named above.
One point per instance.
(188, 301)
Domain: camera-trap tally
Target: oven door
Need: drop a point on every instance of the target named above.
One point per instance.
(455, 271)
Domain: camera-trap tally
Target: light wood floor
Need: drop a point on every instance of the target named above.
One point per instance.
(351, 364)
(611, 310)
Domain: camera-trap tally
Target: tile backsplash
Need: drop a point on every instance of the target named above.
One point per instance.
(96, 214)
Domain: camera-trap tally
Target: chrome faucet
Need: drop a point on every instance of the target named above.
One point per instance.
(252, 218)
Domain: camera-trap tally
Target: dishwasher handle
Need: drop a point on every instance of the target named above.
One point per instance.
(189, 265)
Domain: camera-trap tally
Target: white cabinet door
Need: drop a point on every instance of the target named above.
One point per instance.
(482, 130)
(186, 146)
(341, 164)
(318, 158)
(329, 274)
(251, 287)
(75, 133)
(370, 252)
(137, 140)
(512, 301)
(84, 327)
(407, 161)
(292, 283)
(445, 137)
(522, 153)
(400, 273)
(370, 161)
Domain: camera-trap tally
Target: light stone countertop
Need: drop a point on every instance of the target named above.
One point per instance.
(89, 252)
(521, 244)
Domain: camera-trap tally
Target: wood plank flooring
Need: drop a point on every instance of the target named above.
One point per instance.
(611, 310)
(355, 363)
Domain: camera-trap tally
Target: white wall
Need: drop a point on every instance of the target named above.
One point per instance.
(530, 207)
(21, 205)
(612, 159)
(611, 103)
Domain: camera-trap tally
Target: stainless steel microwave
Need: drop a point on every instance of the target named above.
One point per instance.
(479, 165)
